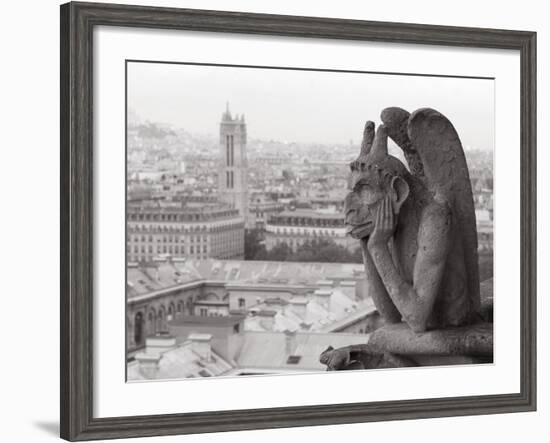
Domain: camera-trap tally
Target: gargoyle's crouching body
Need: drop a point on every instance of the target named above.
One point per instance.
(418, 234)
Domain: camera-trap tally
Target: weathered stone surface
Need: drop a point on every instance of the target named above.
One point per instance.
(396, 346)
(358, 357)
(418, 234)
(473, 340)
(427, 275)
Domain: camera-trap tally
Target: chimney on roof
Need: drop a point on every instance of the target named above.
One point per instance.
(201, 344)
(323, 296)
(299, 306)
(325, 284)
(148, 364)
(267, 318)
(159, 344)
(290, 341)
(276, 303)
(347, 284)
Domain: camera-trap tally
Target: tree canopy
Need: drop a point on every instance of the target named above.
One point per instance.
(317, 250)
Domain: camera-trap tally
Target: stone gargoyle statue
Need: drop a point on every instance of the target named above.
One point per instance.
(417, 231)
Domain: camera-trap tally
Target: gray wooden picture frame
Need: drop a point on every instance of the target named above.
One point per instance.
(77, 23)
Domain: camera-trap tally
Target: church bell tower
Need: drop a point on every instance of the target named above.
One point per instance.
(232, 173)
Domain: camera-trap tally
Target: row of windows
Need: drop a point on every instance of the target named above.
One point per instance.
(230, 245)
(180, 249)
(137, 216)
(314, 233)
(156, 321)
(150, 257)
(209, 312)
(167, 239)
(265, 212)
(165, 249)
(134, 234)
(180, 229)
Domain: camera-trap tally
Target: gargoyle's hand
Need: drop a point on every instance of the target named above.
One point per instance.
(335, 359)
(385, 224)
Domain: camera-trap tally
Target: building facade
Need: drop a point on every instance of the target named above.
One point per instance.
(171, 289)
(209, 230)
(261, 208)
(233, 171)
(305, 225)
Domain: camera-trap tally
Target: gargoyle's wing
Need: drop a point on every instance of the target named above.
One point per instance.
(436, 142)
(396, 121)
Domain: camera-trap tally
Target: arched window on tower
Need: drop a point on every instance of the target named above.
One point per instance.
(227, 151)
(232, 151)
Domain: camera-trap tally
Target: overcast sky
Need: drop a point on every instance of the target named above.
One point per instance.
(303, 106)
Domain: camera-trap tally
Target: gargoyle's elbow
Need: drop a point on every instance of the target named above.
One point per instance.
(417, 326)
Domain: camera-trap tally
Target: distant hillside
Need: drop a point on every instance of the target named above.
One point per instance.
(152, 130)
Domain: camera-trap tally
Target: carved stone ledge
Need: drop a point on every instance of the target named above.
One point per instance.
(472, 340)
(396, 345)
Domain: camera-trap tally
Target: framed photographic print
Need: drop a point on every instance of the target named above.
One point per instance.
(337, 214)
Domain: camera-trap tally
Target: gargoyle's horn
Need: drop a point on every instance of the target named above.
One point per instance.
(380, 144)
(396, 121)
(368, 137)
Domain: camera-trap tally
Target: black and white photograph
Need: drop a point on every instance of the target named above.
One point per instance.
(234, 221)
(289, 220)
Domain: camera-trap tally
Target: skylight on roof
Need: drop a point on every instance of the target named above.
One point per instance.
(293, 359)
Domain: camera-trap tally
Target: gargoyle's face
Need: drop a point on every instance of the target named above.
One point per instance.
(374, 175)
(361, 204)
